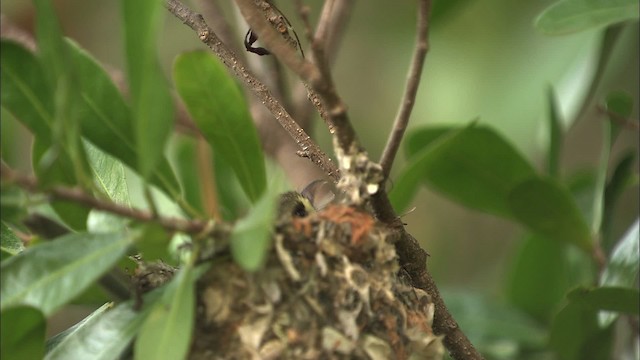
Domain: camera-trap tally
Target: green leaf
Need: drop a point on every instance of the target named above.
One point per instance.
(153, 242)
(406, 185)
(187, 169)
(571, 16)
(535, 286)
(57, 339)
(475, 167)
(548, 210)
(152, 103)
(50, 41)
(58, 67)
(106, 119)
(25, 91)
(54, 168)
(622, 267)
(218, 108)
(422, 138)
(620, 104)
(417, 146)
(251, 236)
(166, 333)
(623, 176)
(555, 136)
(232, 198)
(109, 175)
(23, 331)
(49, 275)
(9, 242)
(575, 334)
(498, 330)
(103, 335)
(619, 299)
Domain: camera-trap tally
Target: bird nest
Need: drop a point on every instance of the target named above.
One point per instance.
(330, 289)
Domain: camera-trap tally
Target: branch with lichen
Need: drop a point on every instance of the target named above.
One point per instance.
(361, 179)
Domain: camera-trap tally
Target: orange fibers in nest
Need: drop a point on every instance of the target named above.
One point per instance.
(360, 222)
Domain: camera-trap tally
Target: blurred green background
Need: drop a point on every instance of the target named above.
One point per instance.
(486, 62)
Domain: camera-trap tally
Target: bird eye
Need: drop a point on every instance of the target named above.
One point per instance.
(299, 210)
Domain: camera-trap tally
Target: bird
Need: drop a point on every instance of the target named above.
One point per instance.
(312, 198)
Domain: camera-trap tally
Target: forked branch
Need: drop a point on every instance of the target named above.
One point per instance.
(196, 22)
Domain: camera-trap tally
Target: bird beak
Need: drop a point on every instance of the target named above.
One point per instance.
(319, 193)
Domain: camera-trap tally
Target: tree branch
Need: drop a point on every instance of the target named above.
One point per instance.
(79, 196)
(208, 36)
(318, 77)
(331, 26)
(413, 81)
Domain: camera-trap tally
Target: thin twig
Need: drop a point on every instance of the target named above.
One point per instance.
(413, 81)
(208, 36)
(81, 197)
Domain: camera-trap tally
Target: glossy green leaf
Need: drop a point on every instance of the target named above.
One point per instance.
(548, 210)
(575, 334)
(217, 106)
(555, 136)
(251, 237)
(537, 287)
(166, 333)
(23, 331)
(570, 16)
(109, 177)
(106, 119)
(105, 334)
(9, 242)
(57, 339)
(475, 167)
(152, 103)
(26, 93)
(619, 299)
(51, 274)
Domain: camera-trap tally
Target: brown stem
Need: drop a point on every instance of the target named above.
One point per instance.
(413, 81)
(79, 196)
(331, 25)
(208, 36)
